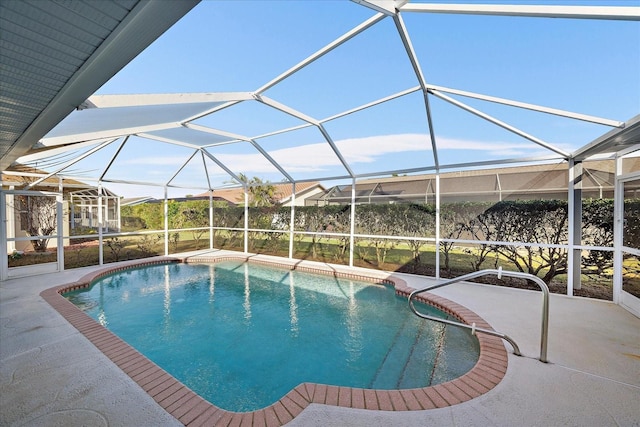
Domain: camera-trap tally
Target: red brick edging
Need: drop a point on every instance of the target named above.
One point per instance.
(192, 410)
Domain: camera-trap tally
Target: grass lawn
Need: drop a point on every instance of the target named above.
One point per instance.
(398, 257)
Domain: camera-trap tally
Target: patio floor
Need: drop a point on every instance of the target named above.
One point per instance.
(50, 374)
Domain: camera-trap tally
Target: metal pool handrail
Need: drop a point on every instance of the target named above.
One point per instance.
(499, 273)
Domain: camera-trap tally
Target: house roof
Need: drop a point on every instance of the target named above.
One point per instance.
(20, 175)
(543, 179)
(283, 191)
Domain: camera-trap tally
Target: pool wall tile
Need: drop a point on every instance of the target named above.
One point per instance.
(191, 410)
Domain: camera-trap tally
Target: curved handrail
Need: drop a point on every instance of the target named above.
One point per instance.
(499, 273)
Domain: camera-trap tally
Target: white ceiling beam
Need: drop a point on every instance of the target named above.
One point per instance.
(462, 165)
(388, 7)
(222, 165)
(533, 107)
(138, 100)
(336, 150)
(206, 170)
(271, 160)
(413, 58)
(113, 158)
(536, 11)
(286, 109)
(281, 131)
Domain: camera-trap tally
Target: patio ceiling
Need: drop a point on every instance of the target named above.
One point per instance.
(197, 127)
(55, 55)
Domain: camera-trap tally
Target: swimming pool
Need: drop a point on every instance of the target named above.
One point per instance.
(264, 336)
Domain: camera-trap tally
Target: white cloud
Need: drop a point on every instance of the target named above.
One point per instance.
(320, 156)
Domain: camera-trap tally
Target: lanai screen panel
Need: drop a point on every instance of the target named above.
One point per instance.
(370, 65)
(249, 119)
(94, 123)
(462, 137)
(143, 160)
(185, 135)
(243, 158)
(390, 136)
(305, 154)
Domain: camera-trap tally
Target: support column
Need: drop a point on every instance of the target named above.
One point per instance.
(118, 213)
(246, 220)
(618, 231)
(352, 227)
(60, 224)
(292, 219)
(166, 222)
(210, 219)
(437, 225)
(7, 231)
(574, 205)
(100, 242)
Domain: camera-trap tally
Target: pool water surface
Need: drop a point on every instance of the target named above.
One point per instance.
(242, 335)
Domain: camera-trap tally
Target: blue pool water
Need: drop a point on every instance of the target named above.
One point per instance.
(242, 335)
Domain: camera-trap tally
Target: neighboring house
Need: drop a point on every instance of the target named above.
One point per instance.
(283, 192)
(514, 183)
(80, 206)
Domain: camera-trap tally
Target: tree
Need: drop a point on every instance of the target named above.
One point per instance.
(38, 217)
(193, 214)
(261, 193)
(377, 220)
(597, 230)
(416, 221)
(532, 221)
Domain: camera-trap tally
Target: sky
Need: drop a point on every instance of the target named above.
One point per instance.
(585, 66)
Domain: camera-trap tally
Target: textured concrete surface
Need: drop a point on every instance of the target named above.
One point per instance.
(50, 375)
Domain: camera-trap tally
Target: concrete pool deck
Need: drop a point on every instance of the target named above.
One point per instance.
(50, 374)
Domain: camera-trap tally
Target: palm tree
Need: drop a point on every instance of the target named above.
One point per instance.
(261, 193)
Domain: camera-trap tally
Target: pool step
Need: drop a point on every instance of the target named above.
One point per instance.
(407, 364)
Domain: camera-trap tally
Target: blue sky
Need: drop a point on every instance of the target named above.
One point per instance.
(585, 66)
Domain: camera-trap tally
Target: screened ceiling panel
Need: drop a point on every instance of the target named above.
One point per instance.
(88, 162)
(146, 161)
(218, 177)
(544, 126)
(534, 60)
(93, 123)
(391, 135)
(304, 154)
(328, 90)
(189, 136)
(192, 174)
(249, 119)
(371, 65)
(244, 158)
(462, 137)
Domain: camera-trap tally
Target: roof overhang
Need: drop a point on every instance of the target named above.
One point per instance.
(621, 140)
(144, 23)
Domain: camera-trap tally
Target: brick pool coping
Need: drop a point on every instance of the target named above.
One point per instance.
(192, 410)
